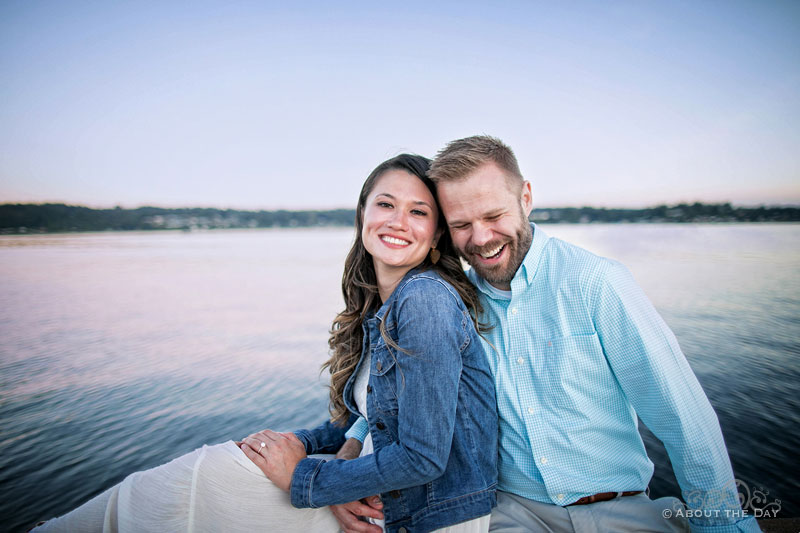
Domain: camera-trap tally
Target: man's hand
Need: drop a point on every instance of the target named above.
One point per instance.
(348, 514)
(276, 454)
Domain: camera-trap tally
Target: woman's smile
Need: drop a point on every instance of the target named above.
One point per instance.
(394, 242)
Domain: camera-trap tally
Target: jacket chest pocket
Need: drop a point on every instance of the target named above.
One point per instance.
(383, 379)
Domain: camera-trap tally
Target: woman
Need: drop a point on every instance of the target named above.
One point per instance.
(406, 357)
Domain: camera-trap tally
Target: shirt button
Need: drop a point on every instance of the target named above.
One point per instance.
(560, 496)
(520, 360)
(544, 460)
(514, 310)
(530, 410)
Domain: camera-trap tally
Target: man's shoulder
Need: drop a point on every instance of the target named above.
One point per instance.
(570, 261)
(581, 273)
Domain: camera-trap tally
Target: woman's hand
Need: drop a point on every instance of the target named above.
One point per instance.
(276, 454)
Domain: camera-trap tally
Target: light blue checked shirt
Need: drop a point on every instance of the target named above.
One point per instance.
(577, 351)
(580, 351)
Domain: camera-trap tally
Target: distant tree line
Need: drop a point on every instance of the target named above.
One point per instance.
(38, 218)
(695, 212)
(25, 218)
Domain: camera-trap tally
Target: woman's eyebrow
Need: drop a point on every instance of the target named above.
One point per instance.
(418, 202)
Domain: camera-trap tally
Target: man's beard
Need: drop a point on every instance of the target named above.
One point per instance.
(516, 248)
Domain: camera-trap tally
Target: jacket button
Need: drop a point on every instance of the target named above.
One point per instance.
(395, 494)
(402, 530)
(378, 365)
(369, 389)
(380, 425)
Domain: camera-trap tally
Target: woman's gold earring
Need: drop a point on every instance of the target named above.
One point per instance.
(435, 255)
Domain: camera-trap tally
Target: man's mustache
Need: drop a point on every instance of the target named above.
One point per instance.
(488, 247)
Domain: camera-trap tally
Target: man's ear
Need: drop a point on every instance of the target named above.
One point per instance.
(526, 198)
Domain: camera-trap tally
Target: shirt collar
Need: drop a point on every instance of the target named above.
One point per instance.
(530, 264)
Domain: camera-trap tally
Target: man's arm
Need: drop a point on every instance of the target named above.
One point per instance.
(657, 380)
(350, 449)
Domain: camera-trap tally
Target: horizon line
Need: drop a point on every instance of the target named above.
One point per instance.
(584, 206)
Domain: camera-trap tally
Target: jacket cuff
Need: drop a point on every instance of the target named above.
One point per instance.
(303, 482)
(307, 438)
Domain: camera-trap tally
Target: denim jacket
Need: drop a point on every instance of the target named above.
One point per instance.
(432, 416)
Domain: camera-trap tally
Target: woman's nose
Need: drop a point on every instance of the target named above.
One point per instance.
(398, 220)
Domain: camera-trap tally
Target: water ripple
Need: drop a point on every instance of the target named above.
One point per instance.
(119, 352)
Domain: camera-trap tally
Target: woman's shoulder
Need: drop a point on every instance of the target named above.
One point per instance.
(428, 286)
(430, 306)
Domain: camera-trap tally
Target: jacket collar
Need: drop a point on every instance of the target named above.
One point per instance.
(378, 315)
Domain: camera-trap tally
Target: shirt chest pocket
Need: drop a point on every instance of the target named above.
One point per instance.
(383, 379)
(576, 362)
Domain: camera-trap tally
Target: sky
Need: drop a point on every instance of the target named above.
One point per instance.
(262, 105)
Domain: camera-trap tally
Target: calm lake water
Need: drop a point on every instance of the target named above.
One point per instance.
(121, 351)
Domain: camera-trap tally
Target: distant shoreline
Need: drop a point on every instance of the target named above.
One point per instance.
(16, 219)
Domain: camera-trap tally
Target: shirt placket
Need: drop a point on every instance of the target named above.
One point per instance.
(522, 362)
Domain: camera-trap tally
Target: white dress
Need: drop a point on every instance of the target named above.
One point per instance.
(214, 488)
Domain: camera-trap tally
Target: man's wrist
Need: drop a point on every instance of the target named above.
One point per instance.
(350, 449)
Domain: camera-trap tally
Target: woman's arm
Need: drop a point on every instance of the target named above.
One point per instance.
(325, 438)
(431, 330)
(278, 458)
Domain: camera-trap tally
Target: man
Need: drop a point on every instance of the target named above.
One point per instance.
(577, 352)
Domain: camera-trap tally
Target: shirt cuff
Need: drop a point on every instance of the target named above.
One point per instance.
(746, 525)
(358, 430)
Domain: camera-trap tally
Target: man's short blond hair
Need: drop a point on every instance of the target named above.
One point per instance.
(462, 157)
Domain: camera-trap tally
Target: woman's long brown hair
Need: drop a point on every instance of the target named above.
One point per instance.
(360, 285)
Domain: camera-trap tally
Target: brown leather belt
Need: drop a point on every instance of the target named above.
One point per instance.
(603, 497)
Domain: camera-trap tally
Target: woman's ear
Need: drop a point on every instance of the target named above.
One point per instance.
(437, 236)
